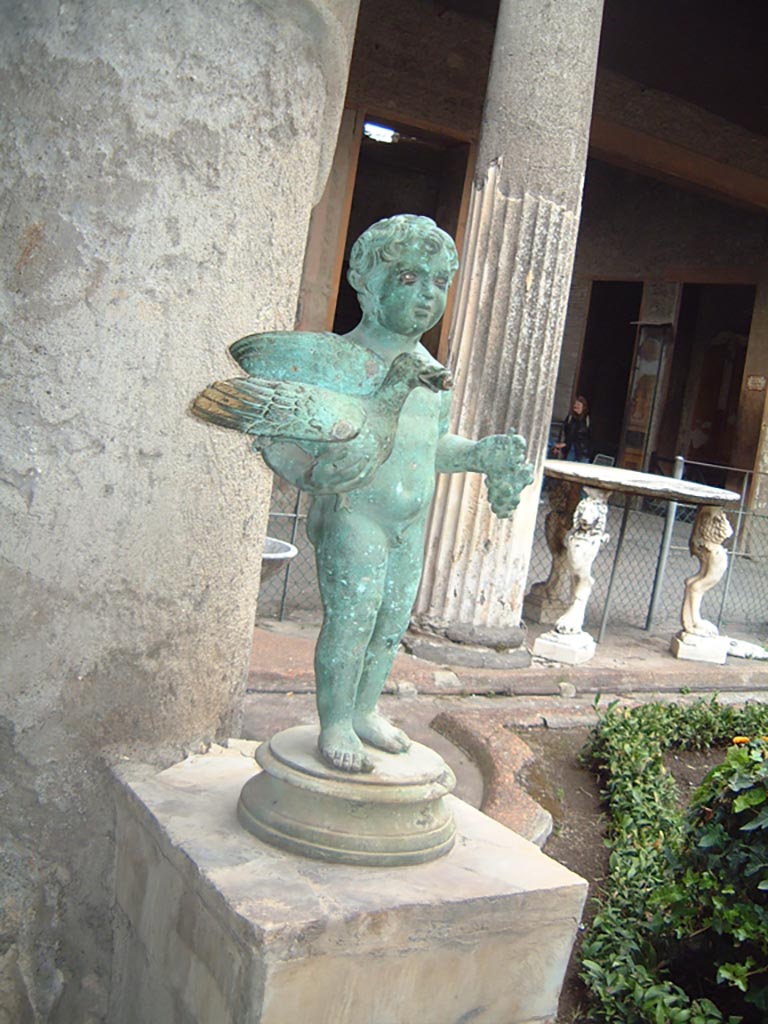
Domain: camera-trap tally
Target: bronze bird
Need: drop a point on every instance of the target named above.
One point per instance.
(272, 410)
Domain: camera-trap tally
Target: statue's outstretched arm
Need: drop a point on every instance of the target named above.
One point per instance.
(500, 457)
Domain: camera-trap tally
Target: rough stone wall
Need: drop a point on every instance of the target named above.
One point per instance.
(753, 422)
(635, 227)
(160, 163)
(421, 63)
(573, 338)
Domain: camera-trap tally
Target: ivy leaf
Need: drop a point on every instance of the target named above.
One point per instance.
(761, 821)
(711, 837)
(734, 974)
(740, 782)
(749, 798)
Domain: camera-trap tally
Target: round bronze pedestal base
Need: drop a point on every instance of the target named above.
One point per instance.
(394, 815)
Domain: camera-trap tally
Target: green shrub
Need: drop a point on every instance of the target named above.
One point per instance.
(626, 954)
(714, 910)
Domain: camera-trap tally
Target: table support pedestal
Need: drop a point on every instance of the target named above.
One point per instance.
(699, 640)
(568, 642)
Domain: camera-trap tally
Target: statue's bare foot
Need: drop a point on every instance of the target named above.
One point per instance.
(341, 748)
(374, 729)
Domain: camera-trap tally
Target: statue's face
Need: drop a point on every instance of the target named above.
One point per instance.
(411, 292)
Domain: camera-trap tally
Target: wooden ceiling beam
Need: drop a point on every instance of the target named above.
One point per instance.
(647, 154)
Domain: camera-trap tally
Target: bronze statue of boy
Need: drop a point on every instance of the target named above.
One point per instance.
(365, 431)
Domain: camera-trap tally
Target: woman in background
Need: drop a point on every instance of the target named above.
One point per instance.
(574, 443)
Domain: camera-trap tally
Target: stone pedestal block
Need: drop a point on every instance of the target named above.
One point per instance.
(568, 648)
(690, 647)
(214, 925)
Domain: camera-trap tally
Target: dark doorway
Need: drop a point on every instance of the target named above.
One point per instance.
(606, 359)
(417, 172)
(705, 383)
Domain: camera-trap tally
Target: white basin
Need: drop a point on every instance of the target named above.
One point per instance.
(275, 555)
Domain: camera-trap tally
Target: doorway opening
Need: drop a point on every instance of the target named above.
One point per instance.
(416, 171)
(705, 381)
(606, 359)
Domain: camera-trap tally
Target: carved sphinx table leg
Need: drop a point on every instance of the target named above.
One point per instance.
(548, 599)
(568, 642)
(699, 640)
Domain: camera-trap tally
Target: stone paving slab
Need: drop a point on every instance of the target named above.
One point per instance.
(628, 662)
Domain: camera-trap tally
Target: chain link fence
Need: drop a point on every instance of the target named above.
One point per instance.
(738, 602)
(292, 593)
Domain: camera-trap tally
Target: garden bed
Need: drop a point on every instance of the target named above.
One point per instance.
(650, 760)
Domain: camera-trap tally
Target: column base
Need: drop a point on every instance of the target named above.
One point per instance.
(469, 646)
(689, 647)
(214, 925)
(567, 648)
(393, 815)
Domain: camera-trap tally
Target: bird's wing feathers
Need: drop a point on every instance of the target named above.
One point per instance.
(326, 360)
(280, 409)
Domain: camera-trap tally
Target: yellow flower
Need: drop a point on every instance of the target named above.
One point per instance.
(740, 739)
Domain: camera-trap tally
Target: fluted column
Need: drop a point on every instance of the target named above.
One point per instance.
(512, 296)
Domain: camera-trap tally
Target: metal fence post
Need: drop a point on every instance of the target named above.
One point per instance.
(666, 540)
(294, 531)
(612, 577)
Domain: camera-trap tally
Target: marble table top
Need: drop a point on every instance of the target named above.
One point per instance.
(630, 481)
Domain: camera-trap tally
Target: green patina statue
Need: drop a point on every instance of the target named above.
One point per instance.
(360, 421)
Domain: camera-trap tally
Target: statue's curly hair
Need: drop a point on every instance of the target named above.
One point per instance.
(385, 241)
